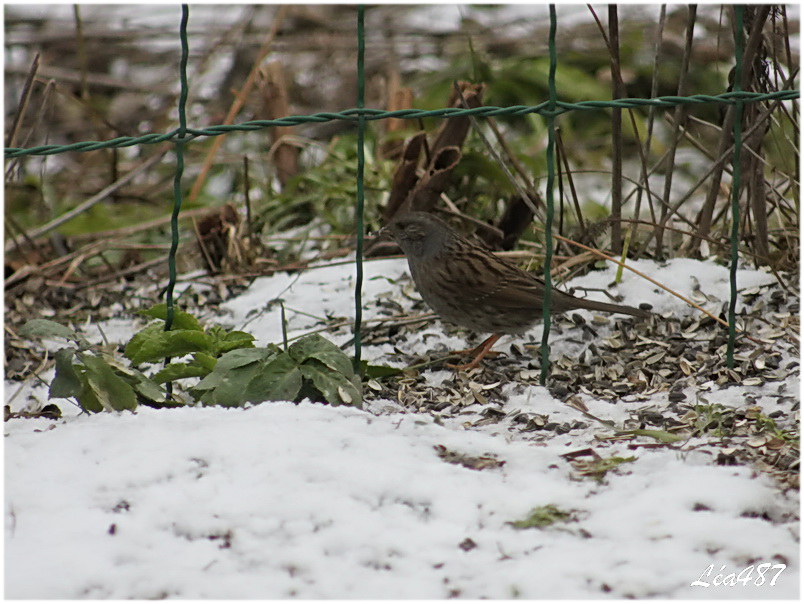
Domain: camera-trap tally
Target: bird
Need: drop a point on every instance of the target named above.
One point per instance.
(468, 285)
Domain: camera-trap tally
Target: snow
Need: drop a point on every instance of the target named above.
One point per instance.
(311, 501)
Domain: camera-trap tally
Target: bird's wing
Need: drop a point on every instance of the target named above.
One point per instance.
(501, 284)
(490, 280)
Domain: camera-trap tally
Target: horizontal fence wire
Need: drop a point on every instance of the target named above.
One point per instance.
(354, 115)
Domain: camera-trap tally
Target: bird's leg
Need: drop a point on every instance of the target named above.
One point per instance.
(481, 351)
(481, 346)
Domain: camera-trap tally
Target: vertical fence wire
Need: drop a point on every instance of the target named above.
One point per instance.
(174, 218)
(548, 226)
(361, 161)
(735, 184)
(182, 133)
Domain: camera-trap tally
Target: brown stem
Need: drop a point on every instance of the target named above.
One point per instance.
(25, 97)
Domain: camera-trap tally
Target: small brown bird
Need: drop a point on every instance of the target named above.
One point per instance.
(467, 285)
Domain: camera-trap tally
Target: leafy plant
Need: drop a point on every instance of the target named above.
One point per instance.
(311, 367)
(765, 424)
(96, 380)
(711, 418)
(186, 336)
(233, 371)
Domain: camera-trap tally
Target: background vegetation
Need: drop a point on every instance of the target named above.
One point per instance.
(277, 200)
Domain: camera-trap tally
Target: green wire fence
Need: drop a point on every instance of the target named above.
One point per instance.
(370, 115)
(550, 109)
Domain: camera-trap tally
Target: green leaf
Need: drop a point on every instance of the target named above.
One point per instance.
(660, 435)
(231, 386)
(181, 319)
(232, 360)
(178, 371)
(279, 379)
(244, 356)
(250, 375)
(88, 400)
(204, 360)
(574, 83)
(44, 328)
(480, 165)
(112, 392)
(234, 340)
(142, 384)
(67, 382)
(137, 341)
(155, 346)
(336, 388)
(598, 468)
(149, 390)
(317, 347)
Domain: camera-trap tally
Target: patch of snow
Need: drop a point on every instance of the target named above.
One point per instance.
(310, 501)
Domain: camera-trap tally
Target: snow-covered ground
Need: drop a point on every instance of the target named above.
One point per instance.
(311, 501)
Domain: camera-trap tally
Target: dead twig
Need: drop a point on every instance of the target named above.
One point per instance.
(25, 97)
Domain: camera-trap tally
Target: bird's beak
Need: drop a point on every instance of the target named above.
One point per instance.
(382, 242)
(384, 234)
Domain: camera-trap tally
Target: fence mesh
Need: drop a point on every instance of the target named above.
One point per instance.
(550, 109)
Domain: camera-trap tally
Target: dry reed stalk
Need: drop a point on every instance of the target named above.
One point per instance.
(453, 130)
(404, 179)
(398, 97)
(25, 98)
(529, 197)
(276, 104)
(566, 172)
(431, 185)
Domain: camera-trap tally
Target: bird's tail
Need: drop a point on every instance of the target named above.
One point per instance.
(563, 302)
(620, 308)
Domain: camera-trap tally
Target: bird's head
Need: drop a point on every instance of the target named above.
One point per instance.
(419, 234)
